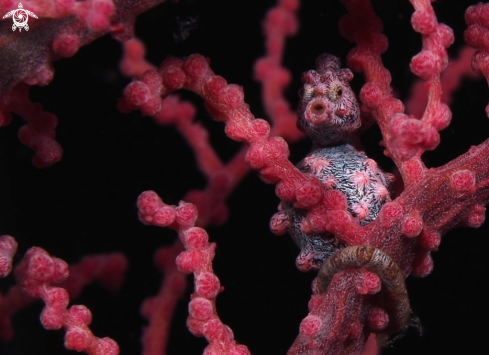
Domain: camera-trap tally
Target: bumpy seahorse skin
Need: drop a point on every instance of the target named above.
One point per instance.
(330, 115)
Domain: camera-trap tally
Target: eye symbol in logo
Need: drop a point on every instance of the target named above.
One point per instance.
(20, 17)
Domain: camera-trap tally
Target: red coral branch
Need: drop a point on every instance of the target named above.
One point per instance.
(8, 247)
(109, 270)
(407, 229)
(159, 309)
(36, 274)
(360, 289)
(60, 34)
(196, 259)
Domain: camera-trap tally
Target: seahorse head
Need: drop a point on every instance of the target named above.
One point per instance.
(328, 109)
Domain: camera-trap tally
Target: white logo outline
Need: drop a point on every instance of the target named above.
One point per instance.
(20, 17)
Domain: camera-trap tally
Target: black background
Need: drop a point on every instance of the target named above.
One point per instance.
(86, 203)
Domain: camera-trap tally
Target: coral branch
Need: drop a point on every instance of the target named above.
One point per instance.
(36, 274)
(405, 138)
(62, 35)
(159, 309)
(95, 14)
(450, 81)
(108, 269)
(364, 236)
(338, 309)
(457, 191)
(280, 23)
(196, 259)
(362, 27)
(476, 18)
(335, 322)
(395, 298)
(39, 132)
(8, 247)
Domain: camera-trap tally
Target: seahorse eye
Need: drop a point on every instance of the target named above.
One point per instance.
(336, 93)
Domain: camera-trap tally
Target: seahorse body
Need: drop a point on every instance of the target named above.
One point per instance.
(330, 116)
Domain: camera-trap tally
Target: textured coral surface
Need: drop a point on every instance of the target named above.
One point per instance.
(87, 202)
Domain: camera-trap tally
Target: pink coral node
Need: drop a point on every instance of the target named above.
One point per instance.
(66, 44)
(104, 346)
(51, 318)
(195, 237)
(40, 267)
(8, 247)
(76, 339)
(476, 216)
(411, 226)
(207, 285)
(311, 326)
(424, 21)
(200, 308)
(186, 214)
(462, 181)
(377, 319)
